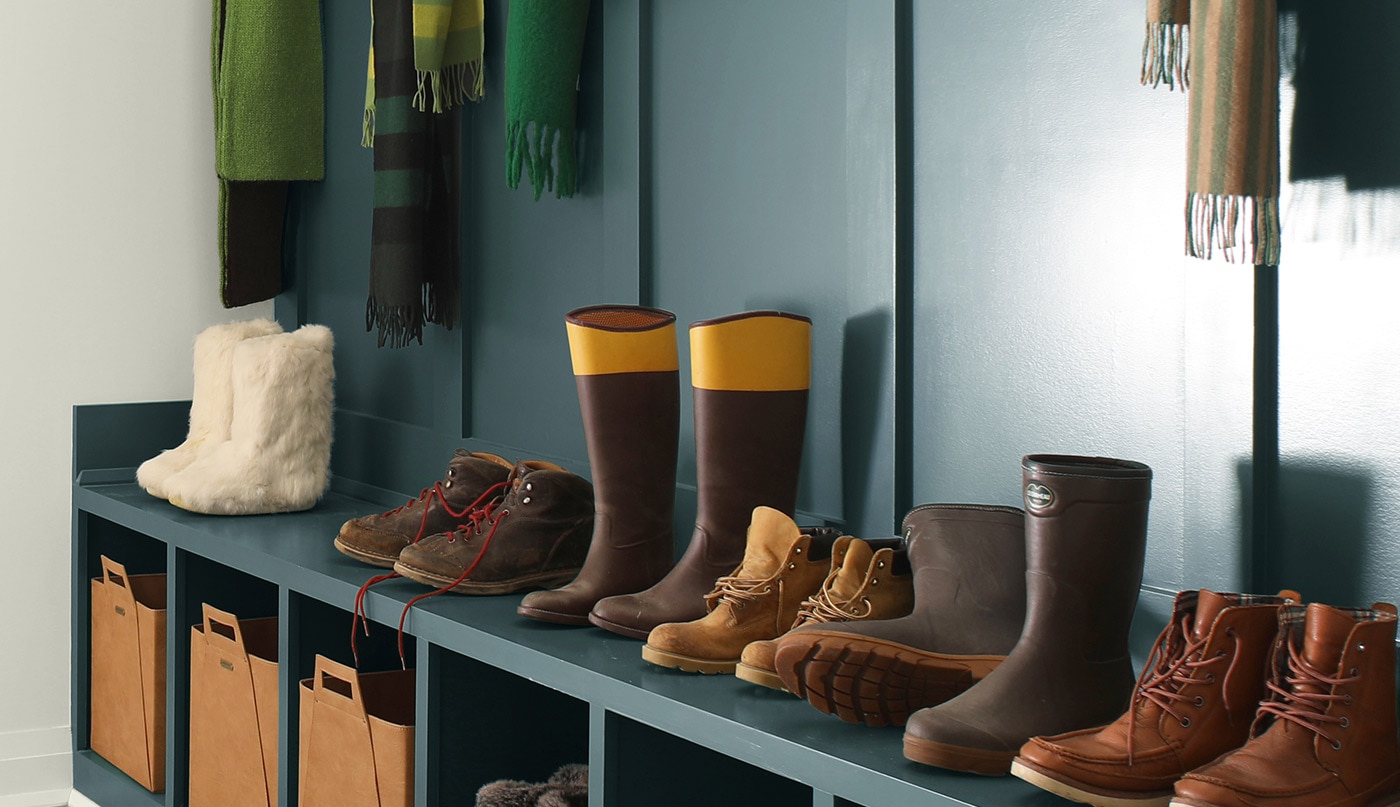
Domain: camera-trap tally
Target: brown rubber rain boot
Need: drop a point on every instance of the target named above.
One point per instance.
(869, 579)
(1195, 700)
(625, 364)
(783, 566)
(378, 539)
(969, 602)
(1086, 533)
(1326, 737)
(751, 374)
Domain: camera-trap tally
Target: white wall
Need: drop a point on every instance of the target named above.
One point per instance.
(108, 268)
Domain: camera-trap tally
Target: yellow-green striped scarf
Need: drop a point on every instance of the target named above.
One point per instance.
(449, 40)
(1230, 62)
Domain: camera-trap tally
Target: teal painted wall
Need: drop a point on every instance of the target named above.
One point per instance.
(979, 208)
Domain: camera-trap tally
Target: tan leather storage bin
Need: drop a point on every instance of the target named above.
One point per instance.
(127, 723)
(233, 711)
(356, 738)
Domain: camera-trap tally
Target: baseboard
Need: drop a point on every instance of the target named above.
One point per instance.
(36, 768)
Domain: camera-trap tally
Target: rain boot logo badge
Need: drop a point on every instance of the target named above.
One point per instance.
(1038, 496)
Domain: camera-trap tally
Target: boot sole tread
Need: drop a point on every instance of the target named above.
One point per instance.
(874, 682)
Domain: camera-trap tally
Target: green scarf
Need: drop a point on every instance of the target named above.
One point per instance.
(414, 252)
(449, 42)
(269, 116)
(1232, 184)
(544, 46)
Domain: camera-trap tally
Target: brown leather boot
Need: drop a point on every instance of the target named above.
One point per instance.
(536, 535)
(378, 539)
(629, 390)
(1195, 700)
(751, 373)
(782, 567)
(1086, 533)
(1326, 737)
(869, 579)
(969, 601)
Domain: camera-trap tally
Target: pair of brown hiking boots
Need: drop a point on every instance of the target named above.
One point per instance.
(790, 576)
(488, 527)
(1245, 700)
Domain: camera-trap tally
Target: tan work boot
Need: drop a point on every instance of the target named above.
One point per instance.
(1326, 737)
(1194, 701)
(782, 567)
(868, 580)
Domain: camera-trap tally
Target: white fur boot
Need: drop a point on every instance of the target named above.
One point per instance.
(277, 458)
(211, 411)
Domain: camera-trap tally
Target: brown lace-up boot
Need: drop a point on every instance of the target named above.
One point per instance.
(378, 539)
(1326, 737)
(782, 567)
(625, 364)
(969, 601)
(869, 579)
(1195, 700)
(1086, 533)
(751, 373)
(535, 535)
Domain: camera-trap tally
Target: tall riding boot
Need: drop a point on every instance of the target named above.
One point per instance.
(969, 564)
(1326, 736)
(625, 365)
(751, 373)
(1086, 533)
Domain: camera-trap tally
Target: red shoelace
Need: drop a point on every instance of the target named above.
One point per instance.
(488, 498)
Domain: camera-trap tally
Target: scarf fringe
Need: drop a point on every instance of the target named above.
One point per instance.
(367, 129)
(539, 154)
(1242, 228)
(452, 86)
(1166, 56)
(399, 325)
(437, 310)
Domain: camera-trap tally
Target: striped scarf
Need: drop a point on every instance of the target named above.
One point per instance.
(449, 41)
(1232, 68)
(414, 254)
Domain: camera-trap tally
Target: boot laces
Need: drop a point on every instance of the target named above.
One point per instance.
(820, 607)
(1171, 665)
(487, 500)
(1308, 708)
(738, 591)
(492, 513)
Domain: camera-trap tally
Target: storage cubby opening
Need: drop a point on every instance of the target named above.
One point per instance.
(323, 629)
(487, 724)
(140, 554)
(648, 766)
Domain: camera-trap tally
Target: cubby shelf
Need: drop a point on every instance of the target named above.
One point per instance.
(500, 696)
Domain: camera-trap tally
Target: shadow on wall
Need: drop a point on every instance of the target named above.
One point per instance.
(1321, 530)
(1346, 120)
(864, 363)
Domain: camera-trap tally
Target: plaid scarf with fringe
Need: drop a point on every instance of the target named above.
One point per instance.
(1230, 62)
(415, 276)
(449, 42)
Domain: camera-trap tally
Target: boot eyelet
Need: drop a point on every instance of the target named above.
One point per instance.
(1200, 701)
(1210, 678)
(1186, 722)
(1354, 672)
(1347, 699)
(874, 581)
(1230, 632)
(525, 500)
(449, 484)
(797, 551)
(529, 485)
(1345, 723)
(451, 471)
(880, 565)
(1336, 745)
(792, 565)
